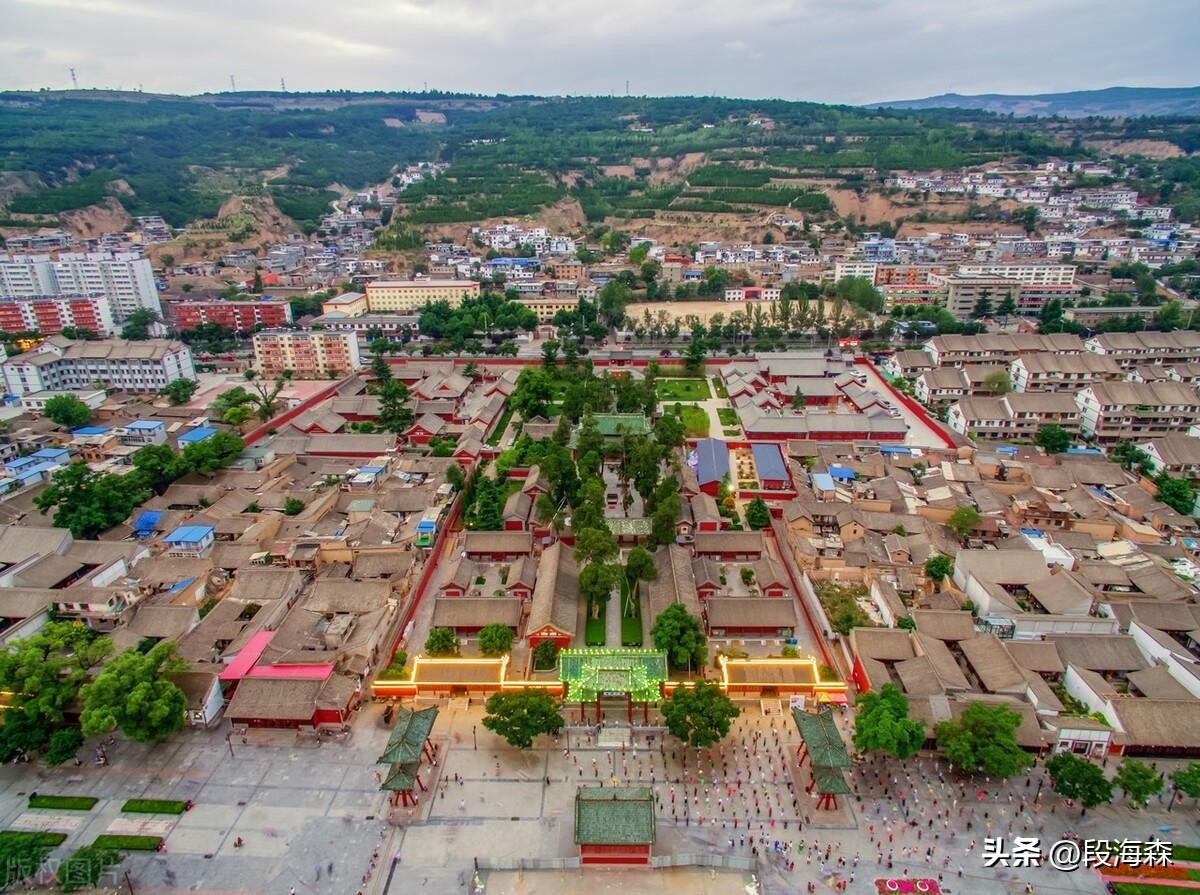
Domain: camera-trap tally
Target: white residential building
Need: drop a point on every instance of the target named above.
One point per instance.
(125, 278)
(59, 364)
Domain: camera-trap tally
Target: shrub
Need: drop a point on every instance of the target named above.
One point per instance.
(63, 745)
(127, 843)
(154, 806)
(64, 803)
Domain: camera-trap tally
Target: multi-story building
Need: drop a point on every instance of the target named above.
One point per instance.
(308, 355)
(1135, 349)
(239, 316)
(753, 293)
(393, 326)
(125, 278)
(964, 292)
(1049, 372)
(997, 348)
(1118, 411)
(1013, 416)
(50, 314)
(384, 296)
(60, 364)
(1025, 274)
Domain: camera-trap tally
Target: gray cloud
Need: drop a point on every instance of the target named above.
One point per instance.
(849, 51)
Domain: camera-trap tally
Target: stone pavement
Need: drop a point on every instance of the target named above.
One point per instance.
(314, 818)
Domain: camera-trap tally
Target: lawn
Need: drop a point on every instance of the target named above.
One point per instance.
(683, 390)
(47, 840)
(695, 419)
(1151, 889)
(731, 433)
(154, 806)
(127, 843)
(728, 416)
(64, 803)
(595, 633)
(719, 387)
(631, 628)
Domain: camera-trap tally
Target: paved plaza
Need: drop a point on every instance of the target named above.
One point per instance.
(313, 817)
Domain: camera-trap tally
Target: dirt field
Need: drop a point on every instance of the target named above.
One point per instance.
(1148, 148)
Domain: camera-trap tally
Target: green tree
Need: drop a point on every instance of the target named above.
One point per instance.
(550, 352)
(44, 673)
(963, 521)
(758, 515)
(67, 410)
(520, 715)
(545, 655)
(1075, 778)
(883, 724)
(699, 716)
(180, 391)
(137, 325)
(88, 503)
(798, 400)
(381, 369)
(939, 567)
(681, 636)
(1008, 305)
(1175, 493)
(595, 545)
(1131, 457)
(668, 431)
(441, 642)
(597, 581)
(455, 477)
(495, 640)
(85, 867)
(1137, 780)
(983, 307)
(693, 360)
(394, 413)
(532, 394)
(293, 506)
(133, 694)
(64, 743)
(1187, 779)
(21, 857)
(983, 738)
(1052, 438)
(997, 383)
(490, 515)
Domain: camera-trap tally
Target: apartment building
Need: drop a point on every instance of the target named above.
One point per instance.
(1014, 416)
(385, 296)
(946, 384)
(1135, 349)
(60, 364)
(1060, 275)
(997, 348)
(963, 292)
(50, 314)
(308, 355)
(125, 278)
(239, 316)
(1118, 411)
(1050, 372)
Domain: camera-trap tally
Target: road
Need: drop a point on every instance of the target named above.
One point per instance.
(920, 433)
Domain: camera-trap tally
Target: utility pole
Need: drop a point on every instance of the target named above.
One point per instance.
(74, 80)
(129, 882)
(282, 86)
(232, 85)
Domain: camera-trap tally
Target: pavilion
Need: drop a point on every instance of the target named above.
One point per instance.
(615, 825)
(407, 744)
(822, 743)
(589, 675)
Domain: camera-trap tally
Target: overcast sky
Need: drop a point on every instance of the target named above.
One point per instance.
(851, 51)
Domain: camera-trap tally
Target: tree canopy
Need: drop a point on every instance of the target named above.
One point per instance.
(983, 738)
(883, 724)
(495, 639)
(133, 694)
(441, 642)
(681, 636)
(699, 716)
(1137, 780)
(758, 515)
(67, 410)
(963, 521)
(939, 567)
(521, 715)
(1076, 778)
(180, 391)
(1052, 438)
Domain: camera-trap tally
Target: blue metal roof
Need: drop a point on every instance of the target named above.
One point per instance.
(768, 461)
(50, 453)
(842, 472)
(710, 459)
(197, 435)
(822, 481)
(189, 534)
(181, 585)
(147, 521)
(371, 470)
(894, 449)
(1085, 451)
(90, 430)
(425, 526)
(145, 424)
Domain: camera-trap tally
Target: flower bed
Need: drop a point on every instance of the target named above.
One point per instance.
(1143, 871)
(907, 886)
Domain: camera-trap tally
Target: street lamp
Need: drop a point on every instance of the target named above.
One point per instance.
(474, 742)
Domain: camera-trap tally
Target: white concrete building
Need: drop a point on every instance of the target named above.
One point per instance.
(59, 364)
(125, 278)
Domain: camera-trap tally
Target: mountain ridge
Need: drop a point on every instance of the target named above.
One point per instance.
(1110, 102)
